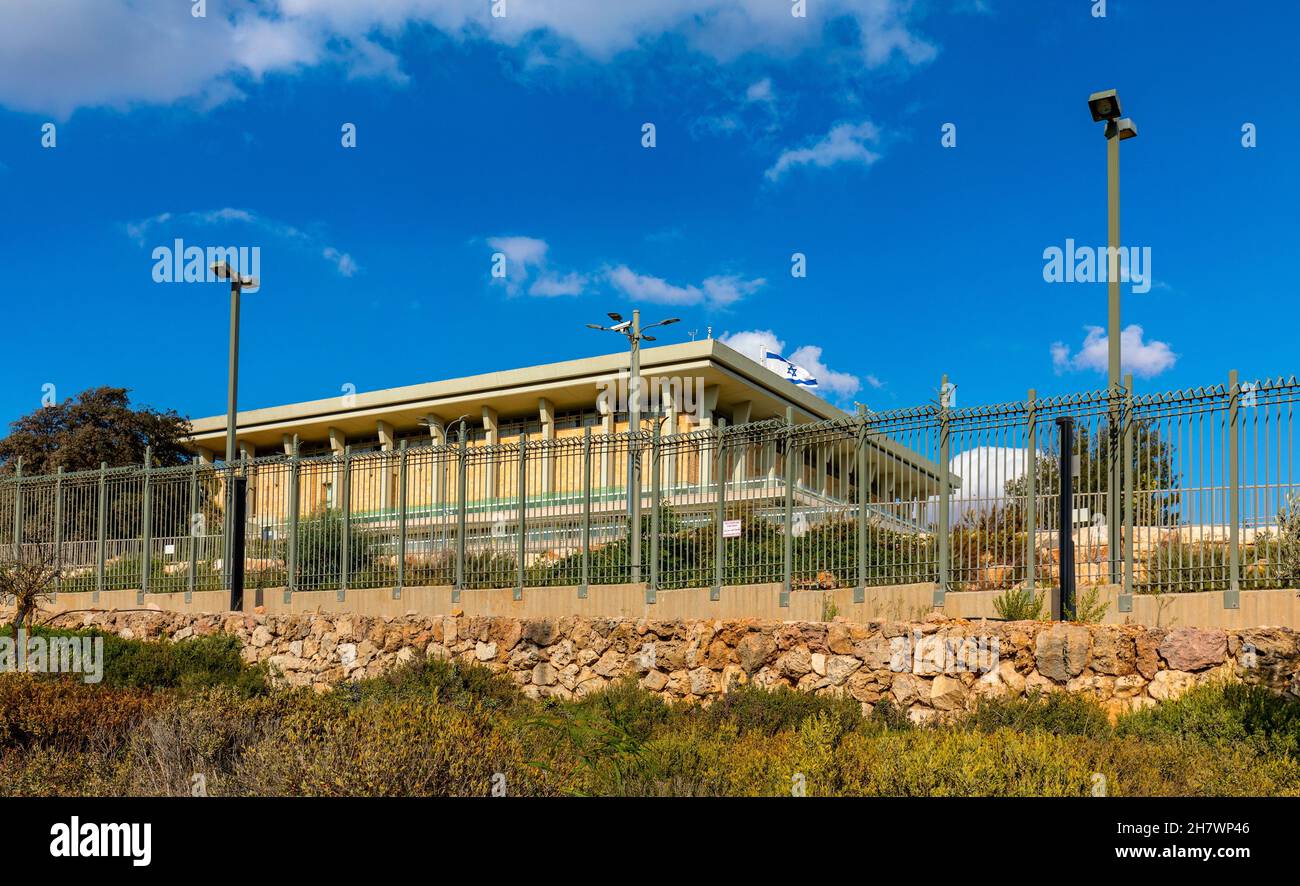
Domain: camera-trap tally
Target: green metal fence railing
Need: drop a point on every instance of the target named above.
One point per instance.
(965, 498)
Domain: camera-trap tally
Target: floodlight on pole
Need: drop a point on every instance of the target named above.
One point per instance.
(234, 531)
(1105, 106)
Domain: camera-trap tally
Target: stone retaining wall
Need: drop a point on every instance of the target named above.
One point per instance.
(930, 667)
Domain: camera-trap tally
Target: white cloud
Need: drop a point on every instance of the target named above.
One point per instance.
(59, 55)
(1144, 359)
(760, 91)
(523, 256)
(140, 231)
(726, 290)
(654, 289)
(718, 291)
(985, 472)
(845, 143)
(754, 343)
(842, 384)
(553, 284)
(345, 263)
(529, 270)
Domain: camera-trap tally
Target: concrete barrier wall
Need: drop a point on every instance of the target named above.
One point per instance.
(1279, 608)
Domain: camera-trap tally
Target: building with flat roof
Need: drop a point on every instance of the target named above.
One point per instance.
(703, 383)
(557, 436)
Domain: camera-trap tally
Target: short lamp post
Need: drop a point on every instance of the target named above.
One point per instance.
(635, 333)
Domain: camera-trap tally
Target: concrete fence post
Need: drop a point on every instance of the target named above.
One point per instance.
(521, 497)
(656, 512)
(101, 532)
(945, 495)
(586, 513)
(1126, 597)
(146, 528)
(1232, 596)
(787, 538)
(18, 510)
(295, 483)
(720, 517)
(462, 468)
(192, 567)
(864, 493)
(58, 530)
(345, 545)
(402, 459)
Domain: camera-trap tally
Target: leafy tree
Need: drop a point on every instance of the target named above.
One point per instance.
(320, 551)
(98, 425)
(1155, 476)
(26, 579)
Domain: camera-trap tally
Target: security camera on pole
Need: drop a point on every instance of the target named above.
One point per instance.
(635, 335)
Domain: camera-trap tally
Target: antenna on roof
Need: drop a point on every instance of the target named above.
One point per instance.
(710, 333)
(694, 332)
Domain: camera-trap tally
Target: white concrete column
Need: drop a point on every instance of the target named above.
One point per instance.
(606, 410)
(438, 436)
(283, 478)
(338, 443)
(740, 413)
(248, 451)
(491, 424)
(706, 455)
(206, 456)
(546, 414)
(668, 402)
(387, 471)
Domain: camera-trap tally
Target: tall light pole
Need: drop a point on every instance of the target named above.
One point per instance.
(635, 335)
(234, 516)
(1105, 107)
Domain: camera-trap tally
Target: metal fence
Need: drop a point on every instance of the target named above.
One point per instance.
(1191, 490)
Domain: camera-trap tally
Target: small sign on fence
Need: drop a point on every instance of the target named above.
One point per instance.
(731, 529)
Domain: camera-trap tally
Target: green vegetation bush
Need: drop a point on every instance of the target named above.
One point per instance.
(1057, 713)
(1020, 604)
(1227, 715)
(191, 664)
(434, 727)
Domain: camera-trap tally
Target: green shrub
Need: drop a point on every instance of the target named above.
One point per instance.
(457, 683)
(636, 710)
(1058, 713)
(1020, 604)
(1223, 715)
(406, 747)
(192, 664)
(1088, 608)
(769, 711)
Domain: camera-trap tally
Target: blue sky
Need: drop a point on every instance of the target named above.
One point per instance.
(523, 134)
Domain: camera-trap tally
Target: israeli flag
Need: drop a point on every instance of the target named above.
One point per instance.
(789, 371)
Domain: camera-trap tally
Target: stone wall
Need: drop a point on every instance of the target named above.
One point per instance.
(930, 667)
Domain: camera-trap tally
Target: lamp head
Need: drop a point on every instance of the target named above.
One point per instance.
(1104, 105)
(223, 271)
